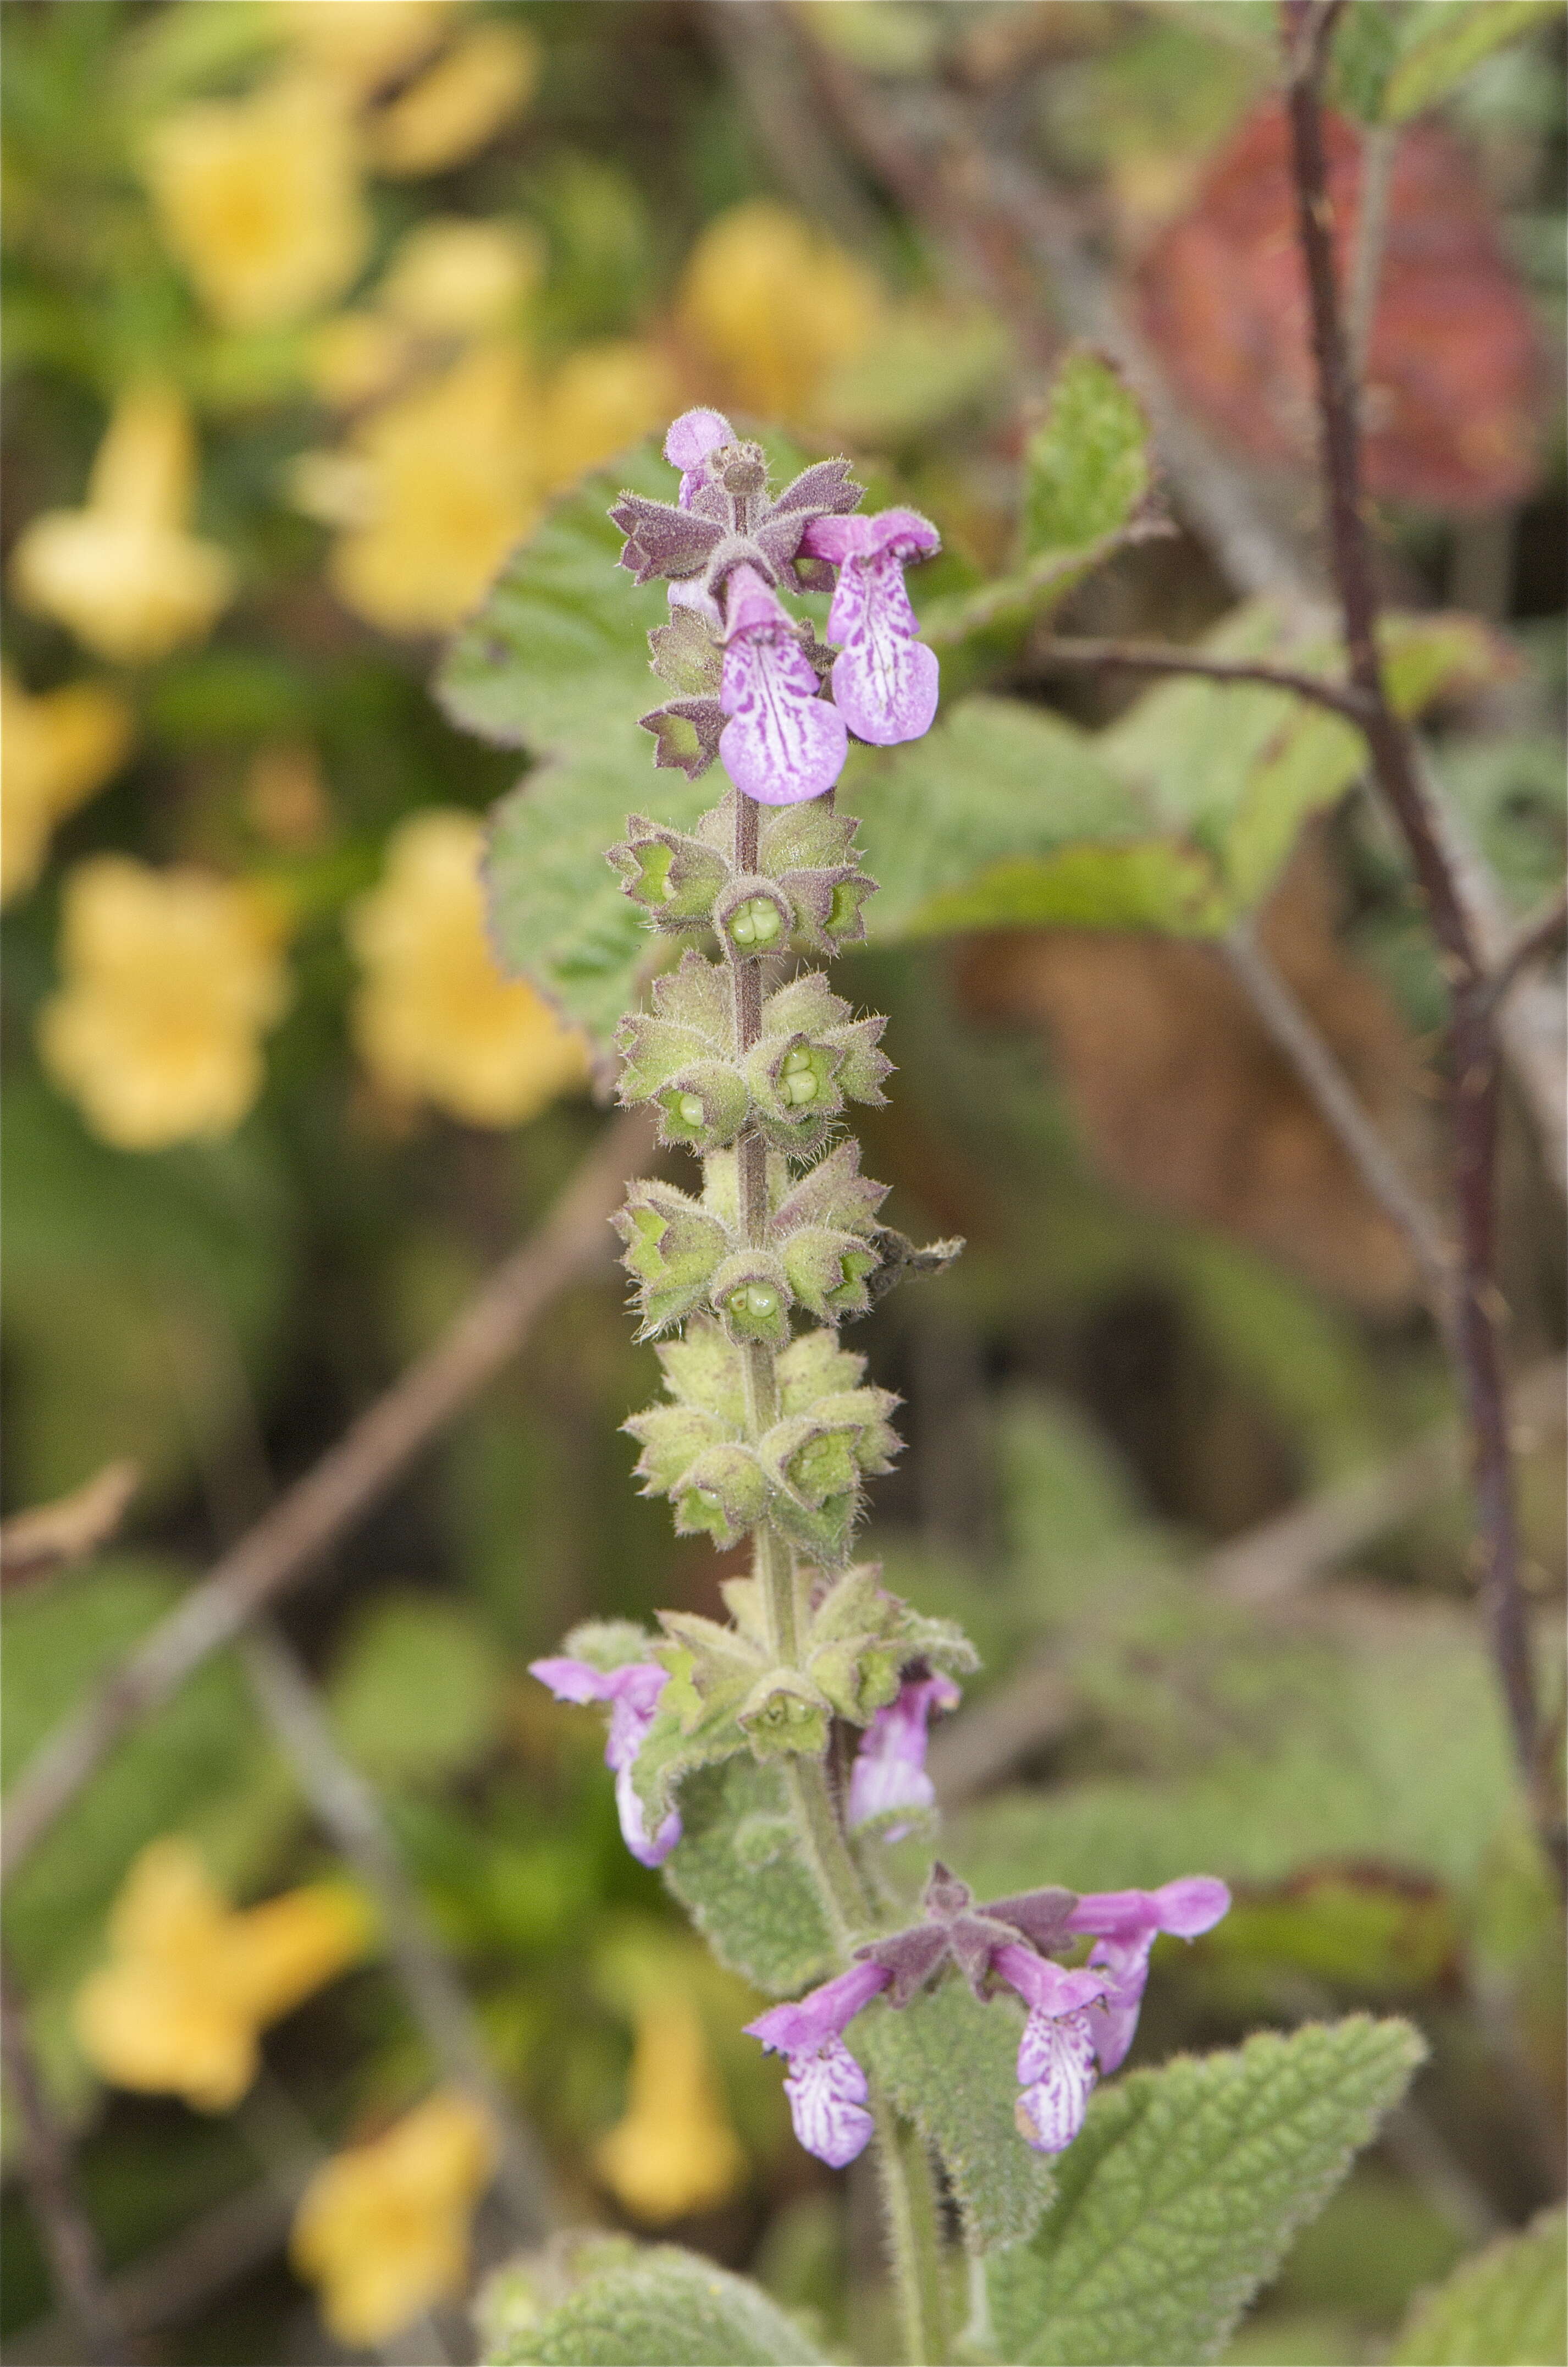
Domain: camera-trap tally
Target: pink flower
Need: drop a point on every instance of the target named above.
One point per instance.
(884, 678)
(1126, 1924)
(782, 743)
(632, 1692)
(691, 440)
(889, 1771)
(826, 2086)
(1055, 2055)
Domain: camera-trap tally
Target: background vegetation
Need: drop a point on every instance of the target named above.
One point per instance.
(353, 294)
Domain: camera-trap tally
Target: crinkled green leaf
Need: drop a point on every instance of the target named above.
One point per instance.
(949, 2064)
(1086, 465)
(1441, 41)
(1181, 2195)
(416, 1695)
(657, 2306)
(1005, 815)
(1507, 2307)
(764, 1921)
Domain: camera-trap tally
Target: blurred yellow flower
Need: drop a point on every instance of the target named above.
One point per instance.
(453, 276)
(190, 1983)
(58, 749)
(459, 104)
(122, 573)
(602, 397)
(435, 1020)
(362, 43)
(674, 2151)
(356, 356)
(445, 488)
(383, 2228)
(259, 198)
(171, 978)
(777, 305)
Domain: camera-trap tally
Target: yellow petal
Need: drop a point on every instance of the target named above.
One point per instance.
(455, 277)
(58, 749)
(449, 487)
(362, 43)
(461, 102)
(281, 1952)
(602, 397)
(354, 358)
(383, 2228)
(145, 469)
(170, 979)
(131, 592)
(164, 2029)
(674, 2152)
(435, 1020)
(258, 197)
(775, 306)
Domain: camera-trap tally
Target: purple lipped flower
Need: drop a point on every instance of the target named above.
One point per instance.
(1126, 1924)
(885, 679)
(826, 2086)
(632, 1692)
(1056, 2056)
(889, 1771)
(691, 440)
(953, 1929)
(782, 743)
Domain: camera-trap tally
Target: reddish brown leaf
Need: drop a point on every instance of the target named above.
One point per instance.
(1454, 372)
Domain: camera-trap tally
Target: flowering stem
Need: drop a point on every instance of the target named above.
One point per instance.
(908, 2199)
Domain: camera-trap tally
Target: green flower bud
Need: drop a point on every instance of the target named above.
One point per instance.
(751, 1298)
(793, 1090)
(811, 1459)
(673, 877)
(784, 1713)
(703, 1106)
(752, 917)
(673, 1247)
(721, 1495)
(827, 1271)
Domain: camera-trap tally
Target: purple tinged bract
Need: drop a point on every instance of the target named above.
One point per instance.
(782, 743)
(885, 680)
(632, 1692)
(889, 1771)
(827, 2088)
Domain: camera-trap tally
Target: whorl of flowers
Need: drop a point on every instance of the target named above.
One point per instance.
(750, 1059)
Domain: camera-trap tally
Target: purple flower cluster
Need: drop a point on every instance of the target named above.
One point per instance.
(1080, 2022)
(727, 552)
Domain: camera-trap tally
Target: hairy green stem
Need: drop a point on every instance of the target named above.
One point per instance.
(914, 2237)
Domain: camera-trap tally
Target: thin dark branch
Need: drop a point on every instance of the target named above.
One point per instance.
(1292, 1029)
(1473, 1044)
(1535, 940)
(292, 1536)
(349, 1809)
(48, 2171)
(1150, 657)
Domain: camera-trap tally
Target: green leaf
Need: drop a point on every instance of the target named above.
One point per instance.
(761, 1920)
(1005, 815)
(1440, 40)
(632, 2307)
(1086, 465)
(416, 1696)
(1184, 2188)
(951, 2066)
(1504, 2307)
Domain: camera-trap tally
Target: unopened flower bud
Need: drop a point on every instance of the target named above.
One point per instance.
(784, 1712)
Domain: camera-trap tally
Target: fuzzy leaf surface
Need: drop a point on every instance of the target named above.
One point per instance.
(949, 2064)
(760, 1919)
(1184, 2190)
(1086, 465)
(662, 2307)
(1505, 2306)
